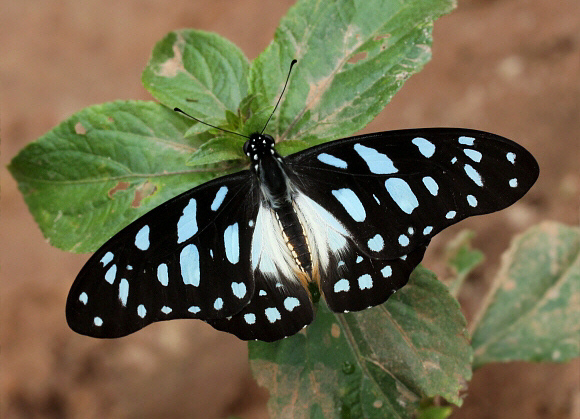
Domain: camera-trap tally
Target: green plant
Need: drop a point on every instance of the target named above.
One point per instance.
(109, 164)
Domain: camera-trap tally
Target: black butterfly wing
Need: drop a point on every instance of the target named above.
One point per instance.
(356, 281)
(187, 258)
(394, 190)
(278, 309)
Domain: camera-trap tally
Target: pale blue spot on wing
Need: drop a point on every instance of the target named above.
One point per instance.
(359, 259)
(426, 148)
(473, 174)
(365, 282)
(272, 314)
(340, 263)
(262, 293)
(473, 154)
(142, 238)
(332, 161)
(232, 243)
(411, 231)
(187, 224)
(290, 303)
(377, 199)
(98, 321)
(239, 289)
(166, 310)
(219, 198)
(107, 258)
(453, 160)
(427, 230)
(377, 243)
(218, 303)
(511, 157)
(342, 286)
(513, 182)
(250, 318)
(431, 185)
(194, 309)
(402, 194)
(163, 274)
(450, 215)
(141, 311)
(251, 223)
(472, 200)
(387, 271)
(466, 140)
(129, 267)
(403, 240)
(123, 291)
(83, 298)
(378, 163)
(351, 203)
(111, 274)
(189, 264)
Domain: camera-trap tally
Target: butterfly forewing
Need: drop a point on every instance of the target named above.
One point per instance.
(394, 190)
(188, 258)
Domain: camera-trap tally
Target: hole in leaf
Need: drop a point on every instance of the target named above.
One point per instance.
(120, 186)
(143, 191)
(357, 57)
(80, 129)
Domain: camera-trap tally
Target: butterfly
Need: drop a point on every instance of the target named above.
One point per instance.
(250, 252)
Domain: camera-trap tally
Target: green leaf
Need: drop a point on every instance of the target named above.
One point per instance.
(353, 56)
(217, 150)
(102, 168)
(200, 72)
(462, 259)
(533, 312)
(435, 412)
(375, 363)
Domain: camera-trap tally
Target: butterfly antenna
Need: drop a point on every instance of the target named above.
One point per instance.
(281, 94)
(209, 125)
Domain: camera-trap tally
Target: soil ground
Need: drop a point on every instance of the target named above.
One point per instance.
(505, 66)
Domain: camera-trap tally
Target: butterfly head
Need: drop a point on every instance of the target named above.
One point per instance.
(259, 149)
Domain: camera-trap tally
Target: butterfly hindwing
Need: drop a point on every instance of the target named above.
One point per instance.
(187, 258)
(395, 190)
(356, 281)
(279, 308)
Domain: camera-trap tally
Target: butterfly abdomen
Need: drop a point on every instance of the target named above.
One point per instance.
(294, 237)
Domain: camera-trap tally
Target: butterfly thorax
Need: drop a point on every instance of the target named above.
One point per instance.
(276, 193)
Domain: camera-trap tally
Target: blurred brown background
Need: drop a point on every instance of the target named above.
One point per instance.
(506, 66)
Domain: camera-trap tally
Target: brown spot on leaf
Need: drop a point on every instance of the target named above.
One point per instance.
(357, 57)
(80, 129)
(120, 186)
(174, 65)
(143, 191)
(509, 285)
(383, 36)
(335, 330)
